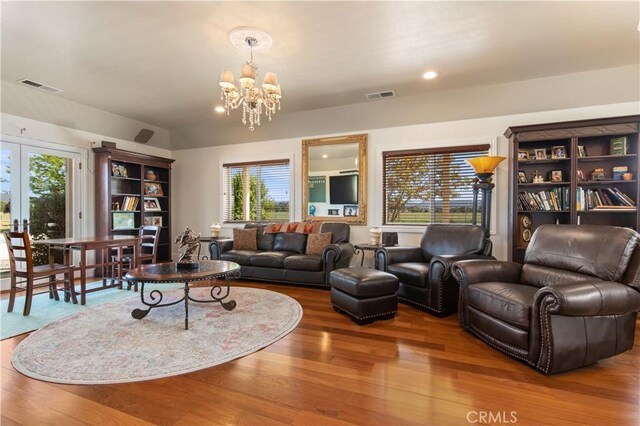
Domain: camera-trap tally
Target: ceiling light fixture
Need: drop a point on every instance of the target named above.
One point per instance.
(429, 75)
(254, 99)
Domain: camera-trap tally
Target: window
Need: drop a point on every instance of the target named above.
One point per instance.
(257, 191)
(429, 185)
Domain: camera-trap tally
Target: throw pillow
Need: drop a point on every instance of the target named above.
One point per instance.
(308, 228)
(245, 239)
(290, 227)
(273, 228)
(317, 242)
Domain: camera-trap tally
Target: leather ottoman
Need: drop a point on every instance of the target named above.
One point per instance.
(365, 294)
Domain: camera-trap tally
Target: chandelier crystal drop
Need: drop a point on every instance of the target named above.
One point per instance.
(254, 99)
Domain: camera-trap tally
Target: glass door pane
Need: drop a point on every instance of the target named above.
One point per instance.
(49, 202)
(40, 185)
(49, 195)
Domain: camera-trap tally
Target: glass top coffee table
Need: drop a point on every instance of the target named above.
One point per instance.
(170, 273)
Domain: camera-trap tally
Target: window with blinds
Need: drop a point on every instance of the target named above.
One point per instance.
(257, 192)
(429, 185)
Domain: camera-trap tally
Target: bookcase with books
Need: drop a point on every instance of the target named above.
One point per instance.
(132, 190)
(578, 172)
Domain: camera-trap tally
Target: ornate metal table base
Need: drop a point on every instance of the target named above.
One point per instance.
(218, 294)
(361, 248)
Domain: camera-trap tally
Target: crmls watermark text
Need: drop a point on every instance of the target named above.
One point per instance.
(492, 417)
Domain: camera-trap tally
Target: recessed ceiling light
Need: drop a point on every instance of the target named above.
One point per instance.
(429, 75)
(219, 109)
(325, 156)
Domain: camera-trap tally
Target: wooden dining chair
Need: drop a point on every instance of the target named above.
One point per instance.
(25, 276)
(147, 252)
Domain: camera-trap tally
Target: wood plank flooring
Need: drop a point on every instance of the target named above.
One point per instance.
(413, 370)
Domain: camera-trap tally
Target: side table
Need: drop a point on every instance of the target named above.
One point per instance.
(361, 248)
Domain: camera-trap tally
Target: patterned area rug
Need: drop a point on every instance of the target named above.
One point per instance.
(105, 344)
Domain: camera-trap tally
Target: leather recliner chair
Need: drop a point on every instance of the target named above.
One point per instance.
(573, 302)
(423, 272)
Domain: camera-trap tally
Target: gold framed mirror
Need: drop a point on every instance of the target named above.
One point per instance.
(334, 179)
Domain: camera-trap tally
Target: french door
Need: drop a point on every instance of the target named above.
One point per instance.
(40, 185)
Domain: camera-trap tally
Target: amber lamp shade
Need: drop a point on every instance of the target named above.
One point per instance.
(484, 166)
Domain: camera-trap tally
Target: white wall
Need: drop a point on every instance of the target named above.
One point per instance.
(197, 172)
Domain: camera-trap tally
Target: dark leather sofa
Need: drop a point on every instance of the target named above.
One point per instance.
(281, 258)
(573, 302)
(424, 272)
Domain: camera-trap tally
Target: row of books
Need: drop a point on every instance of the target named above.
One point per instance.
(554, 199)
(127, 204)
(603, 199)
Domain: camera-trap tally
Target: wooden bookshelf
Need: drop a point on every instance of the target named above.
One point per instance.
(587, 147)
(127, 194)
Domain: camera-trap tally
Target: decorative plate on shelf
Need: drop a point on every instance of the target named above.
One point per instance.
(526, 235)
(526, 221)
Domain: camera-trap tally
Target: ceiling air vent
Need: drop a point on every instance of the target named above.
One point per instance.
(381, 95)
(36, 85)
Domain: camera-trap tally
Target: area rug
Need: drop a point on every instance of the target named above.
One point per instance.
(105, 344)
(45, 310)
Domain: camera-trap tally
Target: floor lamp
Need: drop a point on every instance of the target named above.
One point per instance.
(484, 167)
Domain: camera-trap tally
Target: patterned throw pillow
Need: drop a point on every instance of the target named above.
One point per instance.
(273, 228)
(317, 242)
(290, 227)
(245, 239)
(308, 228)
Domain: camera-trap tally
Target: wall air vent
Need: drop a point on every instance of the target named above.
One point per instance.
(381, 95)
(40, 86)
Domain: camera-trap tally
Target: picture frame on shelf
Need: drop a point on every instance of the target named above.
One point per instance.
(122, 220)
(540, 153)
(522, 177)
(152, 221)
(558, 152)
(119, 170)
(582, 151)
(350, 211)
(580, 175)
(152, 188)
(555, 176)
(152, 205)
(523, 155)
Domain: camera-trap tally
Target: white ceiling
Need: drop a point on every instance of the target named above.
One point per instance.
(159, 62)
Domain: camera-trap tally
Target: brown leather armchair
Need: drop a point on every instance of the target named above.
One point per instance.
(573, 302)
(425, 272)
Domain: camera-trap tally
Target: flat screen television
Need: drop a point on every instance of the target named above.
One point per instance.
(343, 189)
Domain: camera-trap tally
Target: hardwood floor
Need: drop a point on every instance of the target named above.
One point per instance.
(414, 369)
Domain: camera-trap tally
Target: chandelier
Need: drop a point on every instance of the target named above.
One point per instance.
(254, 99)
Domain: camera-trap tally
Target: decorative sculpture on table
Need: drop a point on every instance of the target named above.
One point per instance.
(191, 242)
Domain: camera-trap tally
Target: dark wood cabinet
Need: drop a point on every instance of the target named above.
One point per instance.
(132, 190)
(579, 169)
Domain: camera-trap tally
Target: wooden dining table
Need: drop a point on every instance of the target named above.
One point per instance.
(100, 244)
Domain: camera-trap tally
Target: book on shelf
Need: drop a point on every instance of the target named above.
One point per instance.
(619, 146)
(614, 208)
(554, 199)
(603, 198)
(128, 203)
